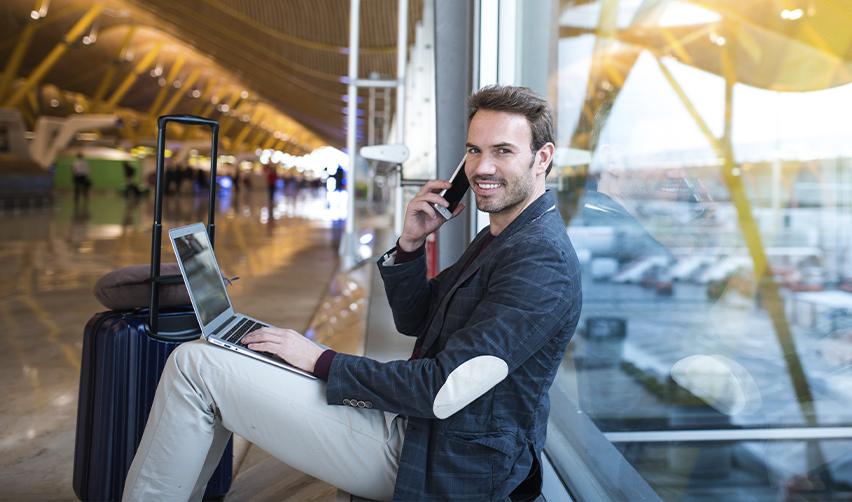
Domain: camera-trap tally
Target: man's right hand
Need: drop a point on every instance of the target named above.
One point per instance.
(421, 219)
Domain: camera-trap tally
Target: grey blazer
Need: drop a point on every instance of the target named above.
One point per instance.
(491, 338)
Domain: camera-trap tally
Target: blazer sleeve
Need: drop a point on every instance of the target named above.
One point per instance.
(532, 291)
(408, 291)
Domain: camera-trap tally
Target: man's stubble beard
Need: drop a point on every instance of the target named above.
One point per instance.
(516, 193)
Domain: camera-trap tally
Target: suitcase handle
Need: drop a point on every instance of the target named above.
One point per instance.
(157, 231)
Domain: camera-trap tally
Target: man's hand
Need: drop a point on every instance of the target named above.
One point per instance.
(287, 344)
(421, 219)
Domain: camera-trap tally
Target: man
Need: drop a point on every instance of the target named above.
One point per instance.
(465, 417)
(80, 171)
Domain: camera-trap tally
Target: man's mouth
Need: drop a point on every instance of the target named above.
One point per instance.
(484, 187)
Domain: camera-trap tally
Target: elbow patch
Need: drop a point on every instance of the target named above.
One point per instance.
(467, 382)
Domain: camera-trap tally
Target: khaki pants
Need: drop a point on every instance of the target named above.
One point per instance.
(207, 392)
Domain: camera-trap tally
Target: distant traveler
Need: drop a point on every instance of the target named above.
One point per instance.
(82, 182)
(465, 417)
(130, 186)
(271, 181)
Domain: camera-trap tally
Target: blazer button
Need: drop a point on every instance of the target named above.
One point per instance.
(347, 402)
(362, 404)
(369, 404)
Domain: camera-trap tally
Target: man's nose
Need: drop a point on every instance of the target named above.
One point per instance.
(484, 166)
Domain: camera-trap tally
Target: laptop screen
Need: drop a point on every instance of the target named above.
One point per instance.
(202, 275)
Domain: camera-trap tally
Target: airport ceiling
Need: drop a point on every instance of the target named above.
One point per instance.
(274, 73)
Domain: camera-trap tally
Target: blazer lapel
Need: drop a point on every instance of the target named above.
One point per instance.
(542, 205)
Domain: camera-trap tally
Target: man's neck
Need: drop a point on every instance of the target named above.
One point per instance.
(500, 221)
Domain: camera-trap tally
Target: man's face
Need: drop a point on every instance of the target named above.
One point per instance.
(499, 164)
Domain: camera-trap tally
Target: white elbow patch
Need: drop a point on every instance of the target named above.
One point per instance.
(470, 380)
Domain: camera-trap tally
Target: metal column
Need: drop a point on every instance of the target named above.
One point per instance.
(347, 244)
(453, 83)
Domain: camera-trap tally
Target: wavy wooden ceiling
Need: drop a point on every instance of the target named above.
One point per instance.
(291, 56)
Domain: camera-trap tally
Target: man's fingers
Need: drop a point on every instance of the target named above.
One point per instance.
(434, 185)
(262, 335)
(424, 207)
(434, 198)
(263, 347)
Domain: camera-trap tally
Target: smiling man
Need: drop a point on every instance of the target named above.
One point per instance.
(465, 417)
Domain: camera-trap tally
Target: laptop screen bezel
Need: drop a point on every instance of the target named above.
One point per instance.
(175, 233)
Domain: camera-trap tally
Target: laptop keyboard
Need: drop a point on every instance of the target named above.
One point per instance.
(242, 328)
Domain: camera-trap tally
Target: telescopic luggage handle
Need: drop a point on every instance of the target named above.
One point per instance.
(157, 231)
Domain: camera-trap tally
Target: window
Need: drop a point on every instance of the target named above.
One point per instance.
(704, 170)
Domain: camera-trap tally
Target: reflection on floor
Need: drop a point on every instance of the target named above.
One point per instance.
(49, 261)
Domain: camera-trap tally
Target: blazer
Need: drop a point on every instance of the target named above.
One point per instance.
(492, 337)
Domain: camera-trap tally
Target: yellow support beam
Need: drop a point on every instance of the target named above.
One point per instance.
(269, 141)
(55, 54)
(228, 120)
(14, 63)
(153, 110)
(257, 115)
(200, 107)
(770, 295)
(128, 81)
(254, 141)
(33, 101)
(109, 74)
(176, 97)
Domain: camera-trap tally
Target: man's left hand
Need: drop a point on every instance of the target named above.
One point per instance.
(287, 344)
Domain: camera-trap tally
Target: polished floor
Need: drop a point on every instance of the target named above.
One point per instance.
(285, 255)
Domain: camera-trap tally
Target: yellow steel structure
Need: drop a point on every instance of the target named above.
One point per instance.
(128, 81)
(18, 52)
(269, 142)
(174, 71)
(109, 74)
(229, 120)
(47, 63)
(767, 286)
(173, 101)
(256, 117)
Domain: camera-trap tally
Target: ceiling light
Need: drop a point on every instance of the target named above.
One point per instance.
(78, 108)
(195, 93)
(717, 39)
(161, 82)
(244, 94)
(54, 103)
(792, 14)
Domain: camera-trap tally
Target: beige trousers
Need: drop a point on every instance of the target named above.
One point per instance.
(207, 392)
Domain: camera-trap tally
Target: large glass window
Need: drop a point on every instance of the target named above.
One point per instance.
(704, 168)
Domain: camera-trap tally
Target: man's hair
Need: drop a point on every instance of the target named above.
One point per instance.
(520, 100)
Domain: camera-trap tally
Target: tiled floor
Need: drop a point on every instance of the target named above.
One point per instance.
(51, 258)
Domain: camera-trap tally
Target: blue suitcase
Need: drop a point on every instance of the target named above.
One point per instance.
(124, 353)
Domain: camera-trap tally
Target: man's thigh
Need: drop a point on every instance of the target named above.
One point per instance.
(286, 414)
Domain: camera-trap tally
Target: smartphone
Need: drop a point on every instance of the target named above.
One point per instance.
(455, 193)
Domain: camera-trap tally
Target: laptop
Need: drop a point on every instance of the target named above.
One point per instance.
(220, 324)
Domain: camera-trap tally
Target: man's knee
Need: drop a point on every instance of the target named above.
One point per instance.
(187, 358)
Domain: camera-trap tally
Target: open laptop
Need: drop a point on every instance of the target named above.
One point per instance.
(220, 324)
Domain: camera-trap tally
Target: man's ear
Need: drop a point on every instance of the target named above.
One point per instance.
(544, 157)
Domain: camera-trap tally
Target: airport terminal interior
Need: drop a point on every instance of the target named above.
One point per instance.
(703, 170)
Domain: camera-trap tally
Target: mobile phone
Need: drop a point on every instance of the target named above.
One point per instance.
(455, 193)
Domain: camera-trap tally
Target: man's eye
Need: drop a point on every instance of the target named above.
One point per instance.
(503, 151)
(472, 149)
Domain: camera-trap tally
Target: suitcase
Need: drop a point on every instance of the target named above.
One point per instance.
(124, 353)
